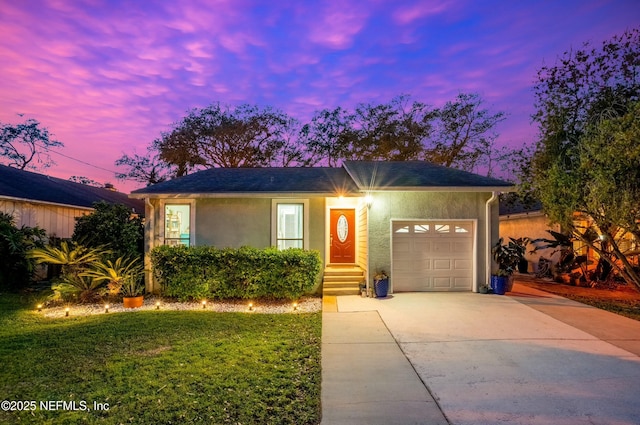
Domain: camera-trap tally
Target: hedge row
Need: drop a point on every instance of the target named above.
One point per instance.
(247, 273)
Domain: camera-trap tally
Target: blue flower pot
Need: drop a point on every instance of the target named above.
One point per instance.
(381, 287)
(499, 284)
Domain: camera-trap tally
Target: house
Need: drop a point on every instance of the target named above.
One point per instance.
(523, 221)
(51, 203)
(428, 226)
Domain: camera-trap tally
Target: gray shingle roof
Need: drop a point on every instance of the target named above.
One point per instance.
(312, 180)
(406, 175)
(15, 183)
(354, 177)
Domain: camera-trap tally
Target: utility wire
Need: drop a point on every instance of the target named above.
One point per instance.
(79, 160)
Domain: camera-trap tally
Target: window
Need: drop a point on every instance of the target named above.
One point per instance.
(442, 228)
(290, 226)
(177, 224)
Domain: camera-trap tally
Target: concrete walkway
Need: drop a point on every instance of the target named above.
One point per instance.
(526, 358)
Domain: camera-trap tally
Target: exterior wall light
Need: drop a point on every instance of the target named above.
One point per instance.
(369, 200)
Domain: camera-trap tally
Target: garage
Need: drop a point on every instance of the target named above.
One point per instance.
(432, 256)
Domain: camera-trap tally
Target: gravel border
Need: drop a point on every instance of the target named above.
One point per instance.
(305, 305)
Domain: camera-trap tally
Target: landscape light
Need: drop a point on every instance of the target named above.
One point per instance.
(66, 312)
(157, 305)
(106, 308)
(295, 306)
(250, 306)
(39, 307)
(204, 304)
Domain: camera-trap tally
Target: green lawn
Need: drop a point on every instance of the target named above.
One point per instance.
(160, 367)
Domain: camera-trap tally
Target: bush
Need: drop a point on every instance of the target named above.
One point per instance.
(247, 273)
(15, 266)
(111, 226)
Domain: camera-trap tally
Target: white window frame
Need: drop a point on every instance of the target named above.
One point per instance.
(192, 218)
(305, 219)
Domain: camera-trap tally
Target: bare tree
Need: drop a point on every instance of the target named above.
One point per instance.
(26, 145)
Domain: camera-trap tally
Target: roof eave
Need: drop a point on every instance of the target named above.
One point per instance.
(443, 189)
(37, 201)
(243, 195)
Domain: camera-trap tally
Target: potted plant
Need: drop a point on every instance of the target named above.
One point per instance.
(132, 293)
(381, 284)
(507, 257)
(520, 246)
(123, 276)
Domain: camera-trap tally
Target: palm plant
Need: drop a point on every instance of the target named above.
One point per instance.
(82, 288)
(119, 275)
(74, 260)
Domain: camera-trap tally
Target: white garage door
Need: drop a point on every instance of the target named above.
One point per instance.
(432, 256)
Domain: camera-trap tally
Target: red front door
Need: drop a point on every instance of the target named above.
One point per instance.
(342, 236)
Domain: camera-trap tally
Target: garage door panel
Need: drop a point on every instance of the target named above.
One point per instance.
(463, 264)
(462, 282)
(442, 265)
(438, 257)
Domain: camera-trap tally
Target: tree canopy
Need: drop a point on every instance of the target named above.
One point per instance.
(26, 145)
(586, 164)
(460, 134)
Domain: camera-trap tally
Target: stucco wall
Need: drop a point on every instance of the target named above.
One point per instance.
(387, 206)
(532, 226)
(233, 222)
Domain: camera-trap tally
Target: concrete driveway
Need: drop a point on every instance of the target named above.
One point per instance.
(519, 359)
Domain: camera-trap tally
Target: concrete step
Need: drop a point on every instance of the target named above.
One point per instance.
(342, 280)
(340, 291)
(338, 278)
(341, 283)
(343, 272)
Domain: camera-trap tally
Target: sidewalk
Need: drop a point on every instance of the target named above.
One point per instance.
(366, 379)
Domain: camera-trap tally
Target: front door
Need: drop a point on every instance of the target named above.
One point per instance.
(342, 236)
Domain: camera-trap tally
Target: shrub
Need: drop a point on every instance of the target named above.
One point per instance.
(247, 273)
(74, 260)
(112, 226)
(15, 266)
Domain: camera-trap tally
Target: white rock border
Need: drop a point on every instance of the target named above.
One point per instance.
(304, 305)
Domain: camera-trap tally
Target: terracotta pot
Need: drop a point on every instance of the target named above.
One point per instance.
(133, 302)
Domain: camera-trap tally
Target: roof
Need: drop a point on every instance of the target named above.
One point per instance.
(519, 208)
(417, 175)
(307, 180)
(354, 177)
(29, 186)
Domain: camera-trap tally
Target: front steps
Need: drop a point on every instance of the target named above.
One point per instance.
(342, 279)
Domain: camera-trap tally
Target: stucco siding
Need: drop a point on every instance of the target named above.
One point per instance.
(317, 225)
(233, 222)
(387, 206)
(532, 226)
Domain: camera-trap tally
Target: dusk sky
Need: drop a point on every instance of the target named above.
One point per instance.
(107, 77)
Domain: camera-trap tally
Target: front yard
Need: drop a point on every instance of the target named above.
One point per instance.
(152, 367)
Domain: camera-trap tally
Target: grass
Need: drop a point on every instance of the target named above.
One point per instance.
(627, 308)
(161, 367)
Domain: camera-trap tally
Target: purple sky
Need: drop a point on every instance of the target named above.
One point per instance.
(107, 77)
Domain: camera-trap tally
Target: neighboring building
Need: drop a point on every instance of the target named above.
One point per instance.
(520, 221)
(51, 203)
(429, 227)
